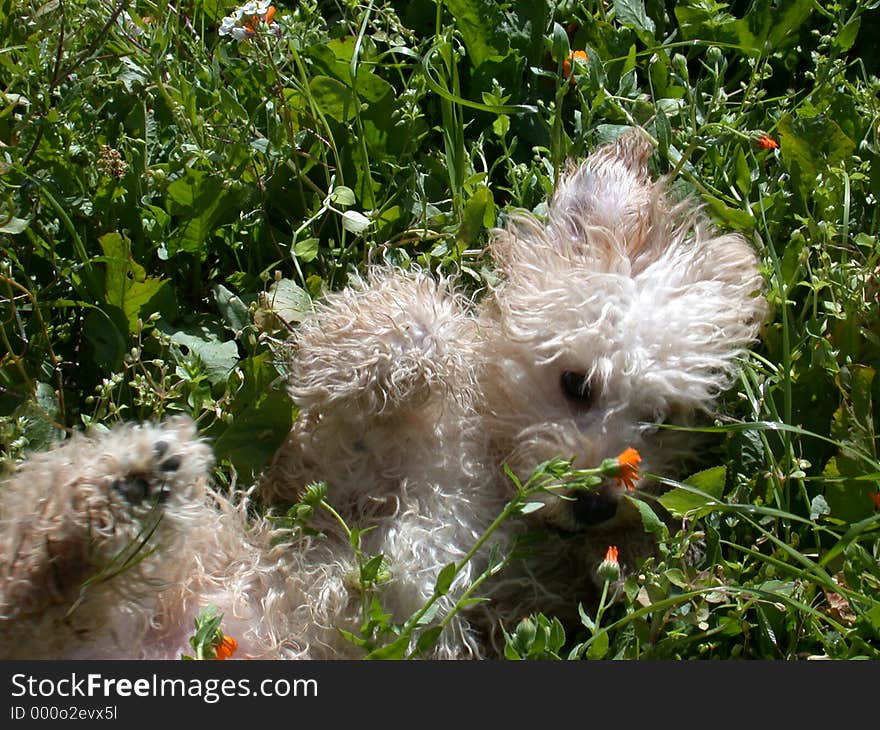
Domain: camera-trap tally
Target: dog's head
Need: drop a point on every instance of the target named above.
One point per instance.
(620, 311)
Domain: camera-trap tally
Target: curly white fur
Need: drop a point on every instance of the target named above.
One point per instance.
(412, 399)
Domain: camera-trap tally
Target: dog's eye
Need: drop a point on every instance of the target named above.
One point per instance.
(576, 387)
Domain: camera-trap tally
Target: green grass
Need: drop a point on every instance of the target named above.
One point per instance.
(171, 200)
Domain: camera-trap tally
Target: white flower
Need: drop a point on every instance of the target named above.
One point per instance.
(227, 25)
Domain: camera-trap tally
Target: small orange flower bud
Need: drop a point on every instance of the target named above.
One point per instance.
(609, 569)
(766, 142)
(226, 648)
(876, 497)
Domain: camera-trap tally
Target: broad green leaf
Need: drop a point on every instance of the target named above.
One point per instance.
(599, 647)
(681, 502)
(845, 39)
(631, 13)
(307, 249)
(428, 640)
(217, 356)
(736, 218)
(810, 145)
(262, 417)
(341, 195)
(480, 22)
(444, 579)
(128, 287)
(847, 496)
(286, 301)
(105, 329)
(783, 31)
(200, 203)
(355, 222)
(334, 98)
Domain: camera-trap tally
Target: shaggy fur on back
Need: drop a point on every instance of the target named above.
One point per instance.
(619, 311)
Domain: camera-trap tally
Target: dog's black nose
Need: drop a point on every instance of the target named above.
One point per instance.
(135, 489)
(591, 508)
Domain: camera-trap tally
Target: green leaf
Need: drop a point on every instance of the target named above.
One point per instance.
(128, 287)
(428, 640)
(395, 650)
(599, 646)
(708, 20)
(530, 507)
(683, 502)
(285, 300)
(559, 43)
(847, 496)
(262, 417)
(479, 214)
(480, 22)
(631, 13)
(199, 203)
(743, 172)
(217, 356)
(847, 35)
(355, 222)
(783, 30)
(676, 577)
(664, 131)
(444, 579)
(371, 569)
(307, 249)
(334, 98)
(810, 145)
(650, 521)
(586, 619)
(818, 507)
(14, 225)
(105, 329)
(235, 312)
(734, 217)
(342, 195)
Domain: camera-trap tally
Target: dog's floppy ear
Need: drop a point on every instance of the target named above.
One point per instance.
(615, 249)
(597, 216)
(611, 189)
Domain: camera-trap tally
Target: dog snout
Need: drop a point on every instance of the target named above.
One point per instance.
(593, 508)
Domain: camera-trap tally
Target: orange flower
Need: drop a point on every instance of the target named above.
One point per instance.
(566, 64)
(628, 462)
(226, 648)
(766, 142)
(876, 497)
(611, 554)
(268, 18)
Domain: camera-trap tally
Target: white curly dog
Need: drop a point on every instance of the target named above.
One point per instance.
(620, 311)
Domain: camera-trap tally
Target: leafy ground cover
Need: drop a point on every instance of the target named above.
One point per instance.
(176, 188)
